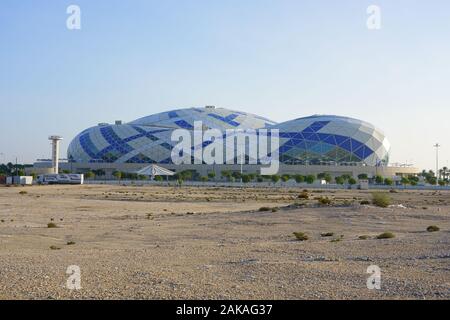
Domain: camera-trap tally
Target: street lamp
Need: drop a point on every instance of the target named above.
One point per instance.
(437, 146)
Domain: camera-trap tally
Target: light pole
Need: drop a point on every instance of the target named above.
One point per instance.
(437, 146)
(242, 161)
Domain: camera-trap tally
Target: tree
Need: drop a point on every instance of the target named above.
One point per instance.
(321, 176)
(275, 178)
(299, 178)
(388, 181)
(117, 175)
(285, 177)
(444, 173)
(211, 175)
(404, 181)
(310, 179)
(363, 176)
(226, 174)
(432, 180)
(379, 179)
(352, 181)
(158, 178)
(203, 179)
(237, 175)
(89, 175)
(340, 180)
(246, 178)
(327, 178)
(346, 176)
(99, 172)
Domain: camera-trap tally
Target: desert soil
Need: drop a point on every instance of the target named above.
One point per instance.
(214, 243)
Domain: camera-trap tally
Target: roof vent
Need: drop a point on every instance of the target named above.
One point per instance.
(103, 124)
(210, 107)
(118, 122)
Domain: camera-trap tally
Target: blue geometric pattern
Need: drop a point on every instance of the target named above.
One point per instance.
(310, 139)
(325, 139)
(228, 119)
(117, 147)
(183, 124)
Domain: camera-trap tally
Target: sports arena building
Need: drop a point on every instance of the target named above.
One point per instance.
(310, 145)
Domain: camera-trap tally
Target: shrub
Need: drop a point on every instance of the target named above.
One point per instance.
(301, 236)
(275, 178)
(310, 179)
(55, 248)
(324, 201)
(211, 175)
(379, 179)
(51, 225)
(365, 202)
(304, 195)
(386, 235)
(433, 228)
(327, 234)
(70, 243)
(23, 192)
(246, 178)
(381, 199)
(264, 209)
(340, 180)
(363, 237)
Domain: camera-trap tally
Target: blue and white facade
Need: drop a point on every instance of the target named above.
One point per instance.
(332, 140)
(311, 140)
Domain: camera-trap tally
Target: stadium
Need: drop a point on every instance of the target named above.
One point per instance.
(308, 145)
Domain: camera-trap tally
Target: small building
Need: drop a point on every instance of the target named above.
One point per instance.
(20, 180)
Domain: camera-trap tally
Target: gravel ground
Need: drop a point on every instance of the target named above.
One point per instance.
(214, 243)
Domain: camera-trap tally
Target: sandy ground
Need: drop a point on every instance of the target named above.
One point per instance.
(211, 243)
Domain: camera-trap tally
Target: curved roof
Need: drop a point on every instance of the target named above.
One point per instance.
(332, 138)
(211, 117)
(313, 139)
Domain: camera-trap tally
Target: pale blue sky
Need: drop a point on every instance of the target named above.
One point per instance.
(280, 59)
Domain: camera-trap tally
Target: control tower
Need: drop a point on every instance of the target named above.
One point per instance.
(55, 152)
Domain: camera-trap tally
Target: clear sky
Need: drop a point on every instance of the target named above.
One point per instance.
(280, 59)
